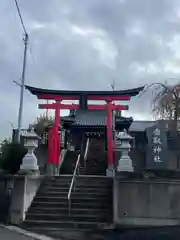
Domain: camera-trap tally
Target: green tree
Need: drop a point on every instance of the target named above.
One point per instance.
(4, 143)
(11, 156)
(41, 124)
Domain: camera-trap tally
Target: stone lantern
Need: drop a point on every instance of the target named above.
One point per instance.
(123, 145)
(29, 162)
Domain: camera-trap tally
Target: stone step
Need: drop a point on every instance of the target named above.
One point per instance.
(64, 178)
(90, 209)
(74, 199)
(81, 168)
(75, 194)
(75, 205)
(59, 184)
(57, 180)
(64, 224)
(65, 210)
(89, 189)
(81, 187)
(80, 184)
(84, 178)
(66, 217)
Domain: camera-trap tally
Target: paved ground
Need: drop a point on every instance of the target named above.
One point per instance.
(15, 233)
(6, 234)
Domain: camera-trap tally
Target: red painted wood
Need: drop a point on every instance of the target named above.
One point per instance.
(57, 105)
(57, 98)
(76, 106)
(104, 107)
(54, 146)
(109, 98)
(56, 134)
(54, 139)
(110, 133)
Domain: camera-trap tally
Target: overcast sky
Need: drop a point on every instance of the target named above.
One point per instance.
(84, 44)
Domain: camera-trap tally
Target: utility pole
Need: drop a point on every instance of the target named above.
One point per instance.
(25, 39)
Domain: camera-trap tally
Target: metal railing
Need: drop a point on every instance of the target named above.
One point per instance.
(86, 152)
(76, 171)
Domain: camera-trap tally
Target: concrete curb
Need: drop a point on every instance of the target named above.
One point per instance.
(26, 233)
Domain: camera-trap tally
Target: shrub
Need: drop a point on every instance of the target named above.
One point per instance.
(11, 157)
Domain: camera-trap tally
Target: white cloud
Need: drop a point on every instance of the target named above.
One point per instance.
(100, 41)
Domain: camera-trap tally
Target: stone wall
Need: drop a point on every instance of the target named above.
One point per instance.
(145, 203)
(5, 188)
(138, 157)
(23, 192)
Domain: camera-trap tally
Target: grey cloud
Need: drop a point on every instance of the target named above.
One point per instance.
(138, 32)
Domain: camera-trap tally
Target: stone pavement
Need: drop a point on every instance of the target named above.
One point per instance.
(15, 233)
(6, 234)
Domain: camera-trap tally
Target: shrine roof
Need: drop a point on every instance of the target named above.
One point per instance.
(141, 126)
(85, 118)
(92, 118)
(128, 92)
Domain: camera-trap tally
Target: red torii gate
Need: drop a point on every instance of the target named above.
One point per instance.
(82, 97)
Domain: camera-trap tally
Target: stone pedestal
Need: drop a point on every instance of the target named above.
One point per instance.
(53, 170)
(110, 172)
(29, 162)
(123, 145)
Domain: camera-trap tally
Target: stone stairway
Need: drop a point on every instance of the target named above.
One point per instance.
(91, 206)
(96, 163)
(81, 170)
(69, 162)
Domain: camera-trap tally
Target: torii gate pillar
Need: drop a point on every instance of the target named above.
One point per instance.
(110, 170)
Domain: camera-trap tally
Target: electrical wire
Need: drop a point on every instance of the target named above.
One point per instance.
(25, 32)
(32, 55)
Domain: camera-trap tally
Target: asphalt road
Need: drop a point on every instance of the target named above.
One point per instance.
(6, 234)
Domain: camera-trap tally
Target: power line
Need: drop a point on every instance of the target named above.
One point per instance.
(113, 85)
(25, 31)
(20, 16)
(26, 35)
(32, 55)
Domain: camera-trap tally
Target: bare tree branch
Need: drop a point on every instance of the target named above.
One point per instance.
(166, 101)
